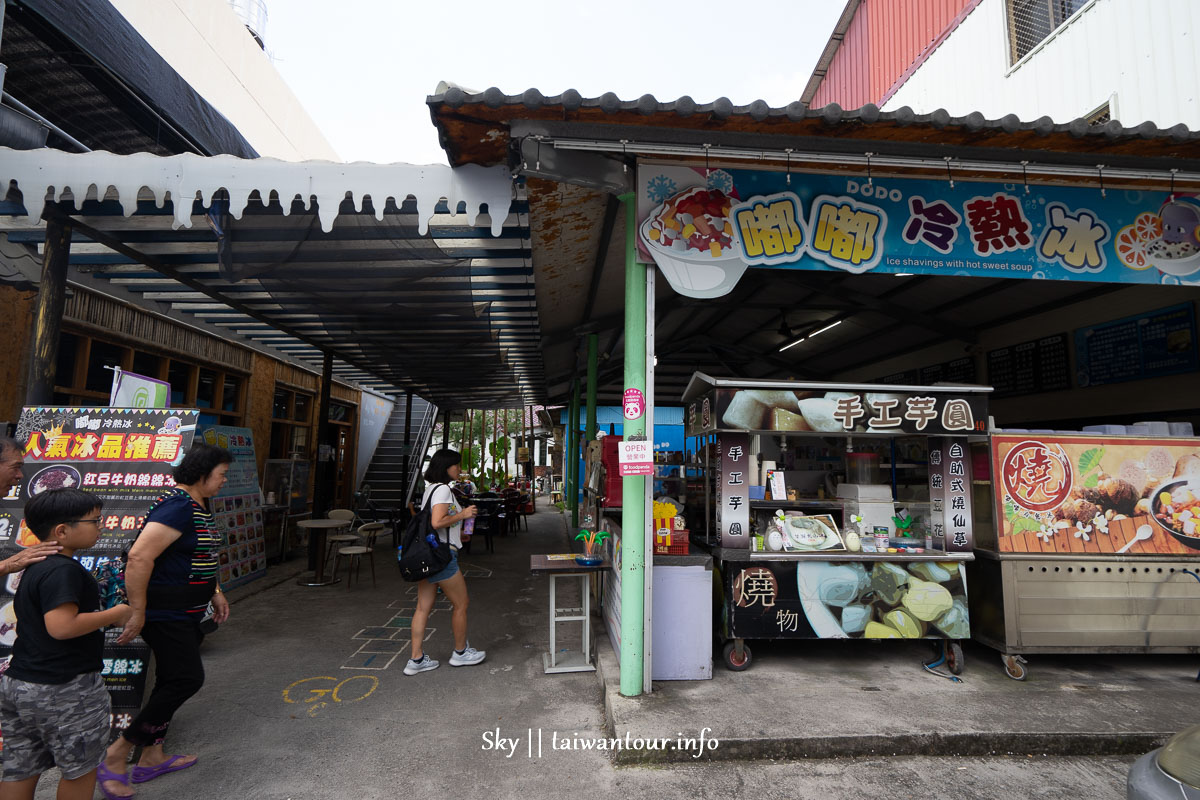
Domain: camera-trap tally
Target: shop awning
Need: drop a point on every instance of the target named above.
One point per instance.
(416, 278)
(577, 154)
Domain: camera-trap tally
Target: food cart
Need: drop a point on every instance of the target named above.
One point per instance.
(1093, 549)
(814, 560)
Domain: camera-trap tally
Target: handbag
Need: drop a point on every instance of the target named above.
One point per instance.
(422, 552)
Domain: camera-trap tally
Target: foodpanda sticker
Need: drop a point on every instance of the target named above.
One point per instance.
(635, 404)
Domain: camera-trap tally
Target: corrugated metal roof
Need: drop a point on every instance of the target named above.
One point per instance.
(473, 126)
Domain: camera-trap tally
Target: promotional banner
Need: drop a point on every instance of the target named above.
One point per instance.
(1082, 494)
(237, 508)
(130, 390)
(847, 600)
(705, 227)
(123, 456)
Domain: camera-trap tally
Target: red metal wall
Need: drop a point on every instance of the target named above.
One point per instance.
(884, 39)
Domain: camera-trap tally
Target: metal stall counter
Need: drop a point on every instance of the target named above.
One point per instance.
(1088, 544)
(806, 550)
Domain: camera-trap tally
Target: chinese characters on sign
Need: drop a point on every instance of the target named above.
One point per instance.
(733, 496)
(950, 493)
(124, 458)
(635, 457)
(770, 229)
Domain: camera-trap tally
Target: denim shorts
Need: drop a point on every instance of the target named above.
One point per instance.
(46, 724)
(449, 571)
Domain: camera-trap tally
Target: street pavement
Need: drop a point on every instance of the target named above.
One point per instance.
(306, 698)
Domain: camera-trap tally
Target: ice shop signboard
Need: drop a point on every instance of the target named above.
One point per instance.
(1080, 494)
(705, 227)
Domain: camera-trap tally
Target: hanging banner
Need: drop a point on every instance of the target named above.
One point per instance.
(704, 228)
(237, 508)
(122, 456)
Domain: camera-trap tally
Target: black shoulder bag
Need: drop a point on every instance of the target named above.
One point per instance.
(422, 552)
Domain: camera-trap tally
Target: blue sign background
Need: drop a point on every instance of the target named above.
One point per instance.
(927, 227)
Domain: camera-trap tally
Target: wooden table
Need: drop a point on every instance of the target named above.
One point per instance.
(318, 529)
(552, 662)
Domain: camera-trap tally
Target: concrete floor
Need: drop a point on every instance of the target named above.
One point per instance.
(306, 698)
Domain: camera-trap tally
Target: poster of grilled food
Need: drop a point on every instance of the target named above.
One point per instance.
(1083, 494)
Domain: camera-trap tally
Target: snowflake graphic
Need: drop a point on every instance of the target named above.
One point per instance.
(720, 180)
(660, 188)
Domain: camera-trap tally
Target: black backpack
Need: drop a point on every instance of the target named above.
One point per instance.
(422, 552)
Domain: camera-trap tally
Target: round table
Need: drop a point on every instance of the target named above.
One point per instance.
(318, 529)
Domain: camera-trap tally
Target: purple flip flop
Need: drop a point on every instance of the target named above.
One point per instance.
(103, 774)
(143, 774)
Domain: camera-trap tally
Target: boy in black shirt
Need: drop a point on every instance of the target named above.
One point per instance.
(54, 709)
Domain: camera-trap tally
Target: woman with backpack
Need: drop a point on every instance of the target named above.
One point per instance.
(447, 518)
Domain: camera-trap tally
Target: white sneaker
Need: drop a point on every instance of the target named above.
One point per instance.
(468, 657)
(424, 665)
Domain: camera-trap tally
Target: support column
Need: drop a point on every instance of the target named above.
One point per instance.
(446, 429)
(573, 440)
(48, 314)
(633, 488)
(593, 367)
(406, 455)
(323, 481)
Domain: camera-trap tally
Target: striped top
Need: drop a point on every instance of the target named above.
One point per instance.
(190, 560)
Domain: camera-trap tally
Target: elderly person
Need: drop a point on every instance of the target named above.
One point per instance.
(12, 464)
(170, 578)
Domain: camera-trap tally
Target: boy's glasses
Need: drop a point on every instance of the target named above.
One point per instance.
(96, 520)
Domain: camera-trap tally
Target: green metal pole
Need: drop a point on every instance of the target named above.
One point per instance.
(574, 440)
(593, 368)
(633, 487)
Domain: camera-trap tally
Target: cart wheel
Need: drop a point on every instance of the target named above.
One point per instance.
(954, 658)
(1014, 667)
(731, 659)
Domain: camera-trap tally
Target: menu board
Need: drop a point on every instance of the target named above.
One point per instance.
(960, 370)
(237, 508)
(1039, 365)
(1149, 345)
(122, 456)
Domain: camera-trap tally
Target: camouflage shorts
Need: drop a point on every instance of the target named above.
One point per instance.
(46, 725)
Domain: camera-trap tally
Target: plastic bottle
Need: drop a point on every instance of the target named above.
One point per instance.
(432, 539)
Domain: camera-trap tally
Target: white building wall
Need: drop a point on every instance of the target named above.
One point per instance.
(1139, 54)
(207, 44)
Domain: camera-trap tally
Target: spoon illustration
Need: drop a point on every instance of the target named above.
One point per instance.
(1143, 533)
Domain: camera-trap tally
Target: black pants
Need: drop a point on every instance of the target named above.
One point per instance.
(179, 674)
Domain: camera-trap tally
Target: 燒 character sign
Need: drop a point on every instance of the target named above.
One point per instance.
(756, 586)
(1036, 477)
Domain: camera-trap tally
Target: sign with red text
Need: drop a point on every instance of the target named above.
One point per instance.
(635, 457)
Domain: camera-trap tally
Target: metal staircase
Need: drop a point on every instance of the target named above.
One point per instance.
(385, 473)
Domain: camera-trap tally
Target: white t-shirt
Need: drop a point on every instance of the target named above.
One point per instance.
(442, 495)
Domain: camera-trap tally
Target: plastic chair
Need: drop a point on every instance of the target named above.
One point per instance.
(525, 508)
(335, 540)
(355, 552)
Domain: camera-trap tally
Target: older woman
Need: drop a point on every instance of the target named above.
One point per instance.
(170, 578)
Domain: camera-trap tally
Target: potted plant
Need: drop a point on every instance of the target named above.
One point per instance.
(592, 542)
